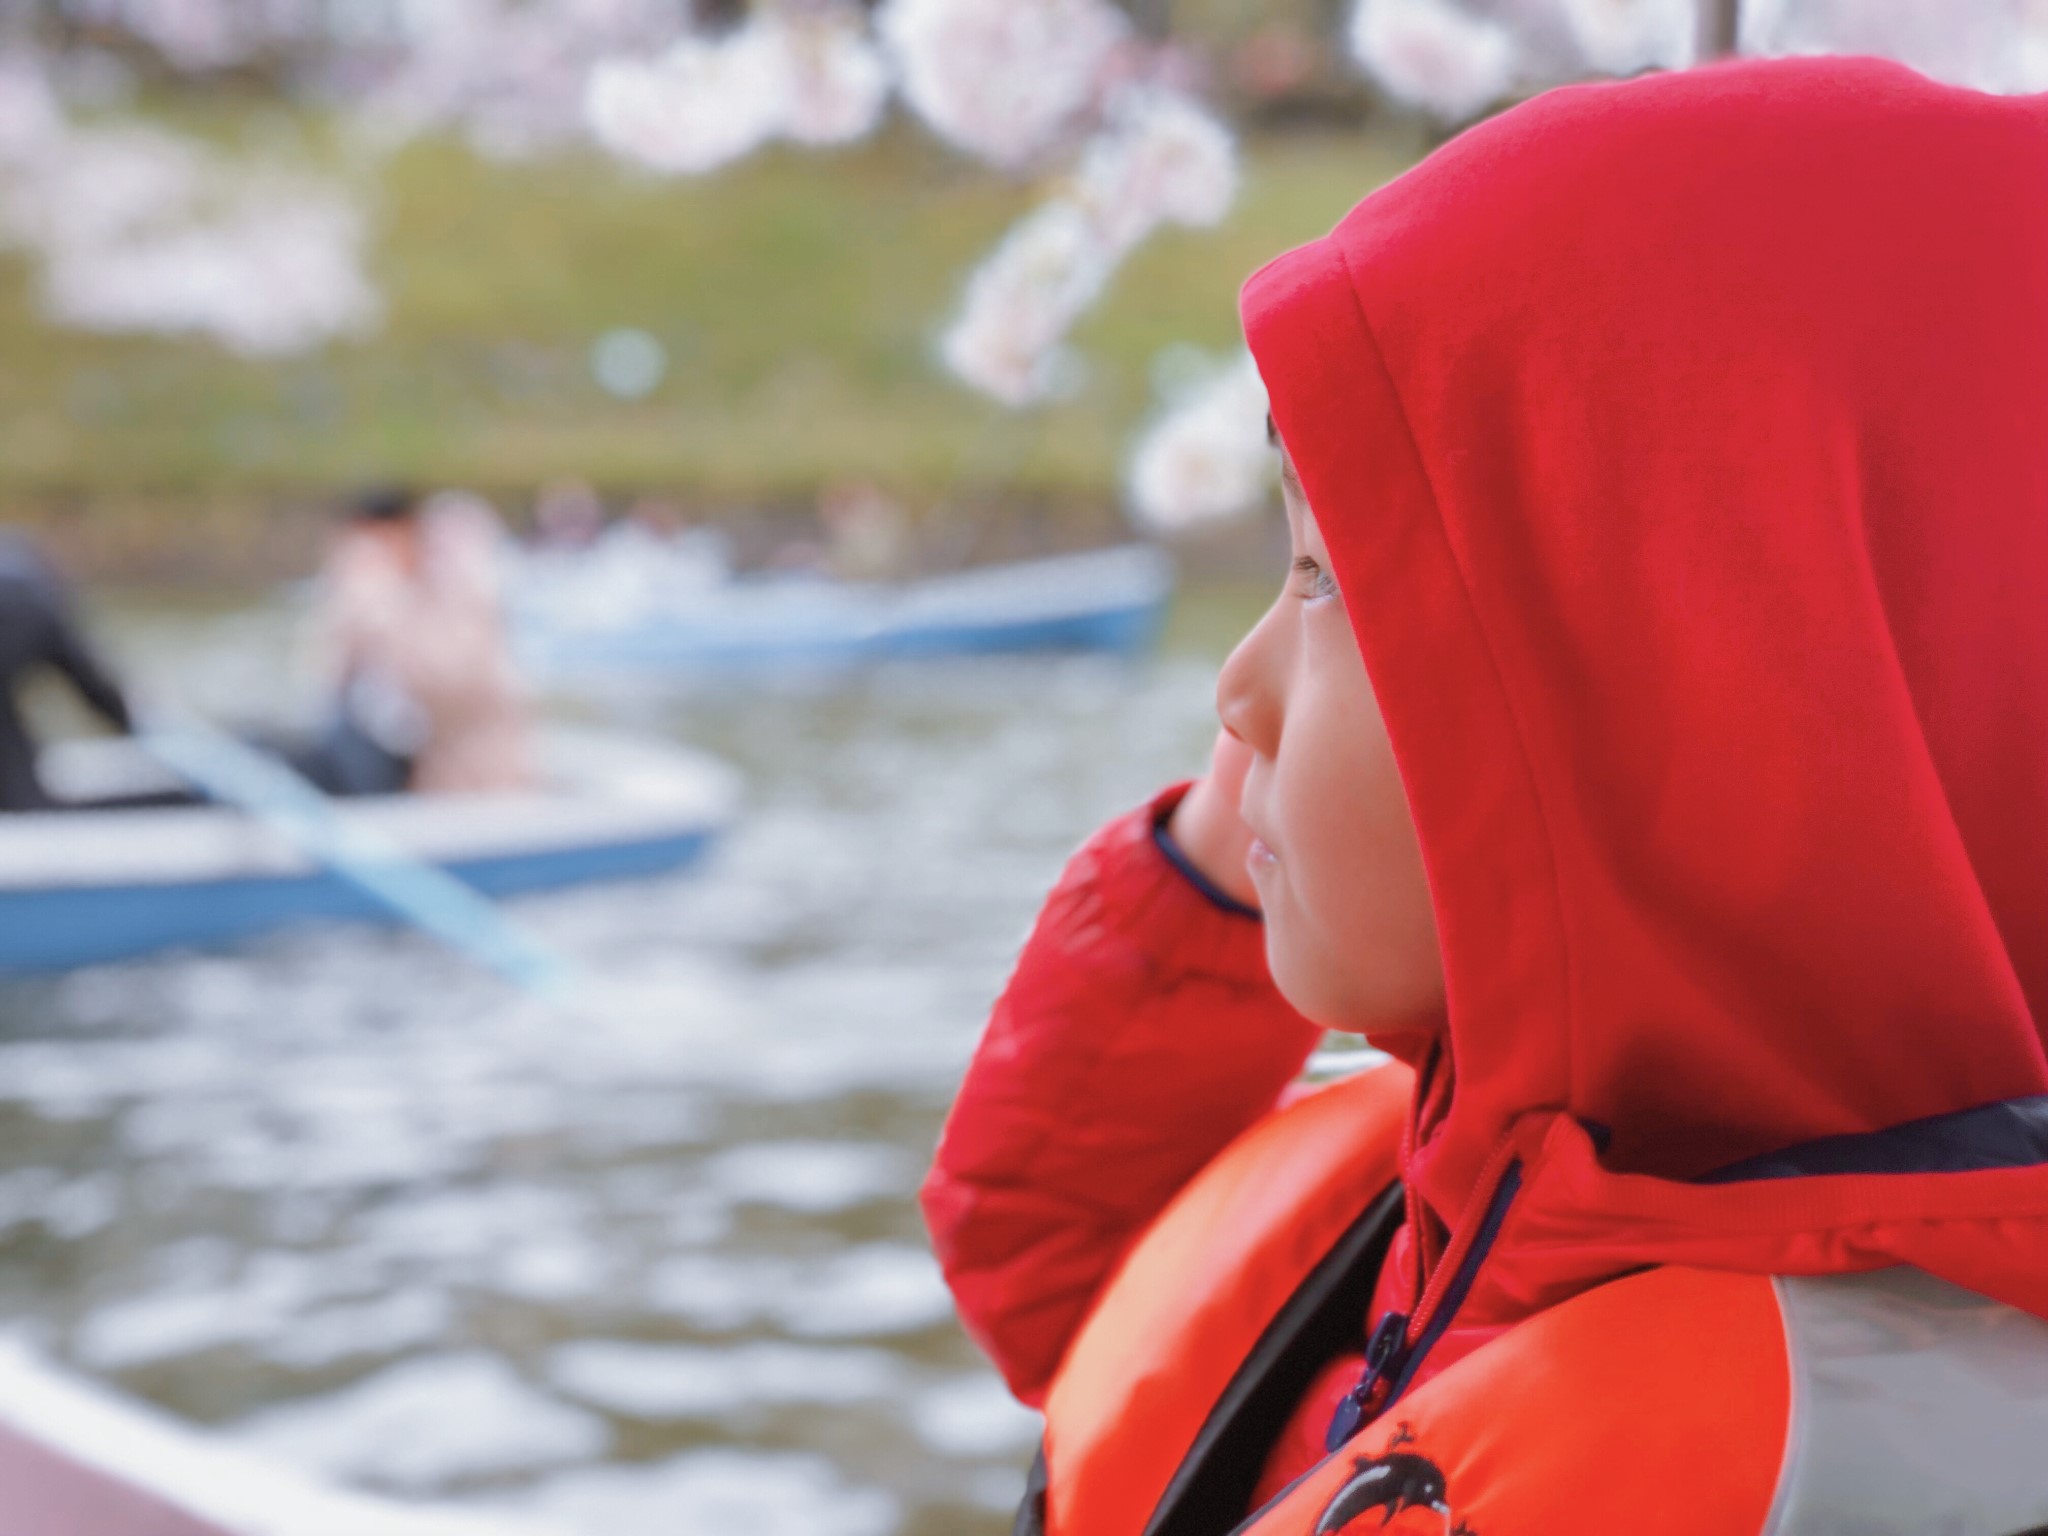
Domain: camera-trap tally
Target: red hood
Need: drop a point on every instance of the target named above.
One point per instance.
(1682, 449)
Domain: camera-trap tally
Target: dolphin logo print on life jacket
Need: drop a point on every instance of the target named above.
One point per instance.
(1391, 1483)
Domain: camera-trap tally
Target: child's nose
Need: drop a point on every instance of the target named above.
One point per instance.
(1246, 700)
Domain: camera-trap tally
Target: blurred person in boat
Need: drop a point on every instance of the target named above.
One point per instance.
(40, 633)
(568, 517)
(689, 554)
(411, 638)
(652, 557)
(648, 563)
(868, 536)
(1648, 751)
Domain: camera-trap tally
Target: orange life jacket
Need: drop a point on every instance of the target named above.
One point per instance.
(1224, 1310)
(1684, 1401)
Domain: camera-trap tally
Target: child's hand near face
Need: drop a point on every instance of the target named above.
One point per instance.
(1207, 826)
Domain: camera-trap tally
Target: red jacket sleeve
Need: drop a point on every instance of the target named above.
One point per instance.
(1138, 1035)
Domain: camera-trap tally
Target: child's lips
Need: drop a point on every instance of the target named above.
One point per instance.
(1259, 857)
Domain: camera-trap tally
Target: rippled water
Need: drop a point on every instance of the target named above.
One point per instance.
(645, 1262)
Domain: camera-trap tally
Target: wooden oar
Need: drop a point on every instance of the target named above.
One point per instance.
(419, 893)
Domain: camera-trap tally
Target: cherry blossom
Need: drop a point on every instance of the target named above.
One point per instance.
(1432, 54)
(1023, 299)
(813, 77)
(1621, 37)
(1985, 44)
(1160, 159)
(139, 229)
(1002, 79)
(703, 103)
(1207, 458)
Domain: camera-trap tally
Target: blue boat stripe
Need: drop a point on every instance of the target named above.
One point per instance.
(57, 928)
(2012, 1133)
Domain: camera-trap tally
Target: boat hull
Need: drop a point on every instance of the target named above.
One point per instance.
(1111, 601)
(143, 881)
(60, 929)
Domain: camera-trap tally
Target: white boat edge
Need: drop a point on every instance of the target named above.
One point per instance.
(102, 1450)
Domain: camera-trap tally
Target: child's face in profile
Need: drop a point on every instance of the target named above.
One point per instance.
(1350, 933)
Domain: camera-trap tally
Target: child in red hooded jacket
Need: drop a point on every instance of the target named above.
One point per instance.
(1649, 749)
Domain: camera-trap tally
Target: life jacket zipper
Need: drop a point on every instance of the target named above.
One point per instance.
(1391, 1360)
(1384, 1356)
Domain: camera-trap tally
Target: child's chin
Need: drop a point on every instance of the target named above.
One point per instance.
(1300, 981)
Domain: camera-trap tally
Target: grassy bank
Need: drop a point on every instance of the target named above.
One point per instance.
(797, 297)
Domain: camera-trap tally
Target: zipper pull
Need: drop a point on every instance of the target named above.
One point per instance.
(1383, 1356)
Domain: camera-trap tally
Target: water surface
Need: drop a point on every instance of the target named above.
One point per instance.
(645, 1263)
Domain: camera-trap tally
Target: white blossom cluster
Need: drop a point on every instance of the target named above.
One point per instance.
(1207, 458)
(2001, 45)
(1434, 54)
(1458, 58)
(138, 229)
(1620, 37)
(199, 35)
(1023, 299)
(510, 74)
(813, 76)
(1002, 79)
(1161, 159)
(279, 271)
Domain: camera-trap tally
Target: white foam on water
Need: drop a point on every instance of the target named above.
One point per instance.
(686, 1381)
(717, 1292)
(555, 1266)
(70, 1081)
(973, 1416)
(714, 1493)
(272, 1289)
(429, 1425)
(385, 1325)
(464, 1231)
(645, 1120)
(870, 1291)
(810, 1176)
(997, 1489)
(82, 1207)
(864, 1292)
(25, 1195)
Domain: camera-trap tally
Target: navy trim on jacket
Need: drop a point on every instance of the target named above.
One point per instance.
(1177, 857)
(2012, 1133)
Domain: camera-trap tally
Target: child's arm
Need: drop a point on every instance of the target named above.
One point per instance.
(1139, 1034)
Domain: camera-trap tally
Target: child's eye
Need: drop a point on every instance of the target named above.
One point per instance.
(1313, 581)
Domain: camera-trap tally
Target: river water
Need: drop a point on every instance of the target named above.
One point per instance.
(644, 1262)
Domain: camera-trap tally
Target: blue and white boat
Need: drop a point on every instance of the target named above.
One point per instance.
(80, 887)
(1108, 600)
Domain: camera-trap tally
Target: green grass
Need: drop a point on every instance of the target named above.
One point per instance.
(798, 295)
